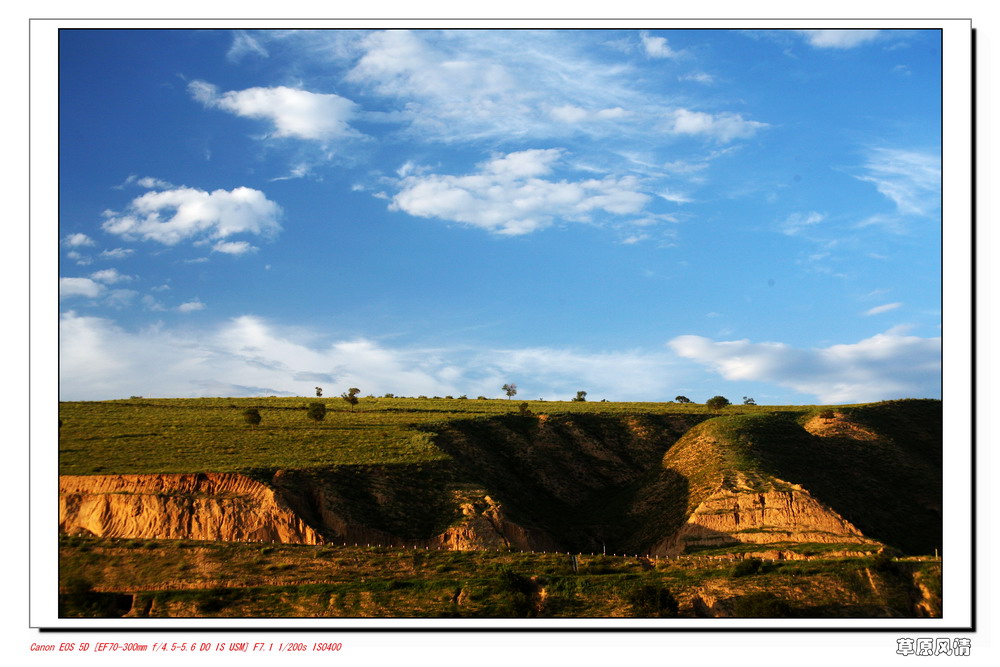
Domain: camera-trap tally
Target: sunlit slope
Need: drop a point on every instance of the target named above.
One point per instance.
(832, 475)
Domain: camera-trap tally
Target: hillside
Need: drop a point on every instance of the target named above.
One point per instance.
(656, 481)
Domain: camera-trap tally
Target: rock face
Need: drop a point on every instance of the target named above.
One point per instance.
(197, 506)
(233, 507)
(785, 513)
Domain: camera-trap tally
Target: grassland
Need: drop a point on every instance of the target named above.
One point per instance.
(209, 435)
(187, 578)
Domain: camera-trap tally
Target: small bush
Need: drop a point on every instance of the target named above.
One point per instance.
(252, 416)
(746, 567)
(717, 403)
(826, 414)
(316, 412)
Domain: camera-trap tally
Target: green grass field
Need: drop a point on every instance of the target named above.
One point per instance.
(210, 435)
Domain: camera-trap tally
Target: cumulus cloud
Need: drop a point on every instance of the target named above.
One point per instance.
(109, 276)
(885, 366)
(190, 306)
(723, 127)
(294, 112)
(911, 179)
(172, 216)
(883, 308)
(78, 240)
(508, 196)
(71, 287)
(233, 247)
(116, 253)
(571, 114)
(249, 356)
(81, 259)
(657, 47)
(838, 39)
(148, 182)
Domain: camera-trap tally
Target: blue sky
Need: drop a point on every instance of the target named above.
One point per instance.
(636, 214)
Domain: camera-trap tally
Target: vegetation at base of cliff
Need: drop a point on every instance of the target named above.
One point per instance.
(210, 434)
(114, 577)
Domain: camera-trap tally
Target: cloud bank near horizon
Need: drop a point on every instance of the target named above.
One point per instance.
(247, 356)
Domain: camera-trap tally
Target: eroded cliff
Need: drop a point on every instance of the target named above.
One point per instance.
(206, 506)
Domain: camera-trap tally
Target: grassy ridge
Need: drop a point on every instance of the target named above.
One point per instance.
(209, 434)
(885, 479)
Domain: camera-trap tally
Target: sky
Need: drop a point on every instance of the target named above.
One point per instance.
(635, 214)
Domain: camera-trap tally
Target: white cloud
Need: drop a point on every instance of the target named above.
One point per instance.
(151, 183)
(150, 303)
(569, 113)
(120, 298)
(70, 287)
(698, 77)
(885, 366)
(883, 308)
(248, 356)
(796, 222)
(148, 182)
(109, 276)
(294, 112)
(172, 216)
(117, 253)
(243, 45)
(191, 306)
(613, 112)
(838, 39)
(722, 127)
(468, 85)
(674, 197)
(78, 240)
(82, 260)
(657, 47)
(507, 196)
(683, 167)
(911, 179)
(399, 63)
(233, 247)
